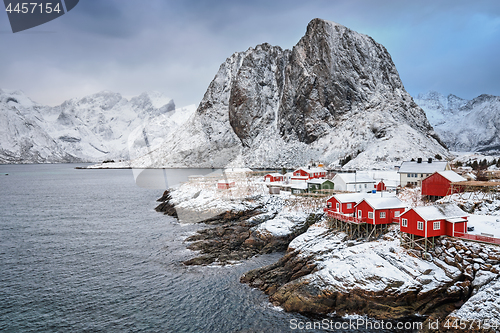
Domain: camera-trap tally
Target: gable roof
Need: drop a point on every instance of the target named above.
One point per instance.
(385, 202)
(440, 211)
(452, 176)
(320, 181)
(274, 174)
(357, 197)
(312, 170)
(424, 167)
(354, 178)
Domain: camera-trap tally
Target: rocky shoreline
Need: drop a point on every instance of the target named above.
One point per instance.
(323, 272)
(233, 236)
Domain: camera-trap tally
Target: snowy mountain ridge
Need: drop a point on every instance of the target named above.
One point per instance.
(464, 125)
(336, 93)
(92, 128)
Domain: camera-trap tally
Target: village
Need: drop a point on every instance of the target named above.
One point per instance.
(421, 239)
(421, 197)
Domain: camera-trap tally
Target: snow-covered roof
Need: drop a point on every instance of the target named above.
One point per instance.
(355, 178)
(357, 197)
(274, 174)
(452, 176)
(222, 181)
(456, 220)
(289, 174)
(312, 170)
(317, 181)
(300, 186)
(385, 202)
(440, 211)
(424, 167)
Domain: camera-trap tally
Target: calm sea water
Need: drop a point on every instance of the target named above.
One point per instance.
(84, 251)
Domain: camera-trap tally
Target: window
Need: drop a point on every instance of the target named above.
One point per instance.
(382, 215)
(370, 215)
(421, 175)
(437, 225)
(329, 205)
(396, 214)
(359, 214)
(337, 205)
(420, 225)
(365, 185)
(404, 222)
(349, 206)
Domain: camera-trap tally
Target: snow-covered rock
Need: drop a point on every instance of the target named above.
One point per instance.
(464, 125)
(336, 93)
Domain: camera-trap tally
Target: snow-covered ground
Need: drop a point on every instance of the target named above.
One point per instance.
(484, 225)
(371, 266)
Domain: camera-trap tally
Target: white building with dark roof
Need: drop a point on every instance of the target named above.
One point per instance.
(412, 173)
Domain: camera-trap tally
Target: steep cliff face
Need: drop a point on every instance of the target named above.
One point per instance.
(464, 125)
(336, 93)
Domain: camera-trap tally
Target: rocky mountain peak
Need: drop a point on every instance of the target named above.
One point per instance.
(336, 93)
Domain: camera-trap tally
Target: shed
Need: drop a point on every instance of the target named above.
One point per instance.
(314, 185)
(432, 221)
(380, 186)
(299, 188)
(438, 184)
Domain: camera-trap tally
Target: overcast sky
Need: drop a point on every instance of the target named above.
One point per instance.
(176, 47)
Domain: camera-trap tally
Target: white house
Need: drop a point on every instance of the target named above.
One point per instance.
(353, 182)
(412, 173)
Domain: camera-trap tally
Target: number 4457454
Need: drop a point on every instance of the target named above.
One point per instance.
(33, 7)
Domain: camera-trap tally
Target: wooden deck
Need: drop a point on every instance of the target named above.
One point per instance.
(478, 238)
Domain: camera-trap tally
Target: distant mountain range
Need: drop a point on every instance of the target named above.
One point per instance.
(334, 97)
(464, 125)
(99, 127)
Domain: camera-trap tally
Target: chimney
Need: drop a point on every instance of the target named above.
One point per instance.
(419, 160)
(429, 160)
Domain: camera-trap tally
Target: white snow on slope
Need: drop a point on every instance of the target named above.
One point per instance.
(93, 128)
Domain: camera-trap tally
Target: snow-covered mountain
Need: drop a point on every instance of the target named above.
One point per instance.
(336, 93)
(93, 128)
(464, 125)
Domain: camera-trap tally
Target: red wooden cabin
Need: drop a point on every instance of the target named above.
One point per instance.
(432, 221)
(273, 177)
(380, 210)
(310, 173)
(439, 184)
(345, 202)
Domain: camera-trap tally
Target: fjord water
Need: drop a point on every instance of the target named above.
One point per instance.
(84, 251)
